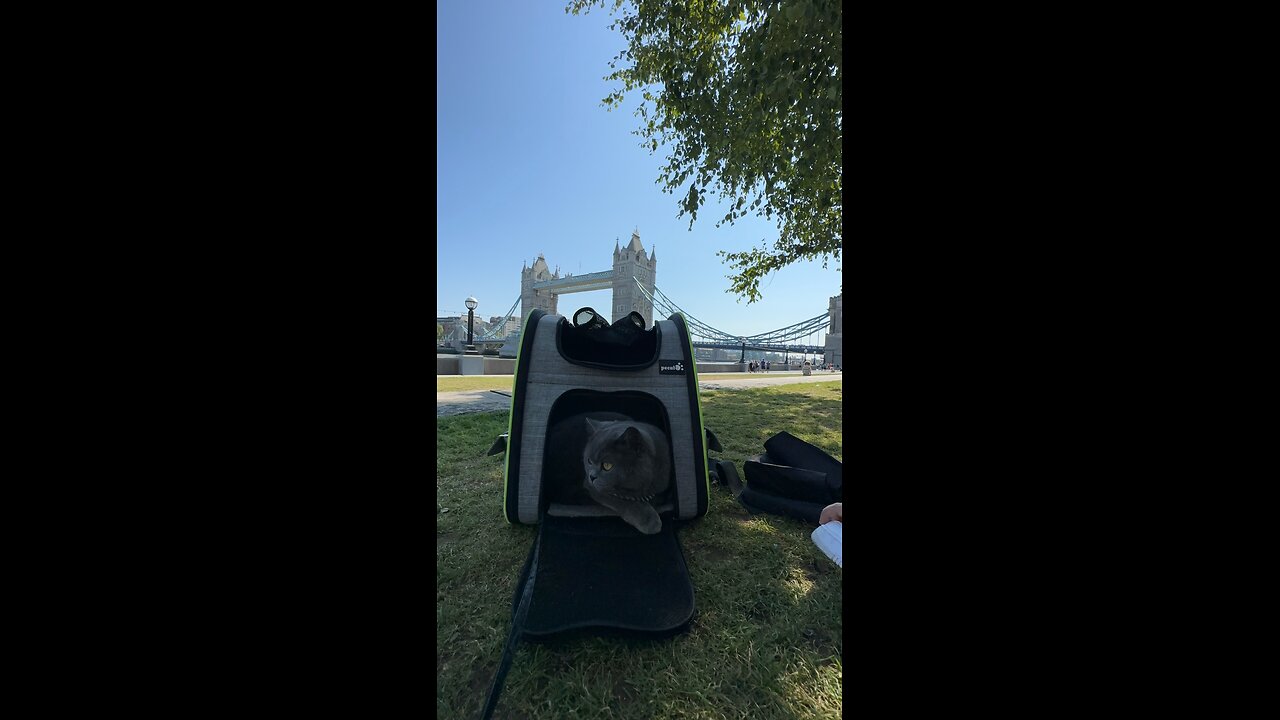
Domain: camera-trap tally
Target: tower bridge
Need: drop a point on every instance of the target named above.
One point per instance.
(633, 270)
(633, 280)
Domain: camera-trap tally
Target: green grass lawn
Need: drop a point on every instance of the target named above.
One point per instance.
(766, 637)
(454, 383)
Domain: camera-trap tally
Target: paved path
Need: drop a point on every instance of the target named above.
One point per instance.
(752, 380)
(471, 401)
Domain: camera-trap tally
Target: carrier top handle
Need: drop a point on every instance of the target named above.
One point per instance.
(524, 593)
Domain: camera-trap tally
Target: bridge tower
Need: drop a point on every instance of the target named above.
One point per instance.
(630, 262)
(544, 299)
(834, 350)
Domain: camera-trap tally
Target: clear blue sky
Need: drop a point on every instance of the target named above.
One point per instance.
(529, 162)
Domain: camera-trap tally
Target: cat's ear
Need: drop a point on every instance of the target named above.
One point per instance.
(593, 427)
(631, 437)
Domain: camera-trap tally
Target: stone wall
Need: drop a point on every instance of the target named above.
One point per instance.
(720, 367)
(492, 366)
(499, 366)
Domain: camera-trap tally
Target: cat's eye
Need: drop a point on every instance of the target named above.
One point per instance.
(608, 466)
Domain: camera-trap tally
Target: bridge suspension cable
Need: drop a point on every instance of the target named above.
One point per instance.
(500, 330)
(771, 337)
(697, 328)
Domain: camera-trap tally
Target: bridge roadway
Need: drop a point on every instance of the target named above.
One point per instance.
(472, 401)
(578, 283)
(793, 348)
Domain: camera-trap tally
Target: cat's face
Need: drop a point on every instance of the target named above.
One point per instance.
(620, 460)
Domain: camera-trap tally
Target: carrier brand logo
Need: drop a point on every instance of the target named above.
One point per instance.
(670, 367)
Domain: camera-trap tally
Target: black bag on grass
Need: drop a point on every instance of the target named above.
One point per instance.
(793, 479)
(765, 475)
(787, 449)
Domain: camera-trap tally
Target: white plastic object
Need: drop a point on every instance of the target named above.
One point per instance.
(829, 539)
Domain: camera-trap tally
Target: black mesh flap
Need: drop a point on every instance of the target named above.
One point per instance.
(603, 573)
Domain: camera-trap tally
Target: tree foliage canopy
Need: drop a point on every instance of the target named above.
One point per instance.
(746, 94)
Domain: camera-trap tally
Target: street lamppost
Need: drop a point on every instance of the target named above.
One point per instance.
(471, 319)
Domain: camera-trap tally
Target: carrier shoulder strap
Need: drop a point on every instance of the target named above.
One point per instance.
(520, 609)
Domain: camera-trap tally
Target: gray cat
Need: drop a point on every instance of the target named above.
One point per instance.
(627, 465)
(639, 465)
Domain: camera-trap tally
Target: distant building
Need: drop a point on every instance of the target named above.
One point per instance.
(512, 324)
(450, 324)
(455, 328)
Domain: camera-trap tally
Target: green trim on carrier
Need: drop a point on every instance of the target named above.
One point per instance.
(526, 334)
(706, 462)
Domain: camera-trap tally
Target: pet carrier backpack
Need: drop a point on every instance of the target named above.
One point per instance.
(589, 570)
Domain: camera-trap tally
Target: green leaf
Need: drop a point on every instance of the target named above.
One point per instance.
(744, 104)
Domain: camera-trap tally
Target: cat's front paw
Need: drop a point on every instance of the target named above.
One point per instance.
(645, 520)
